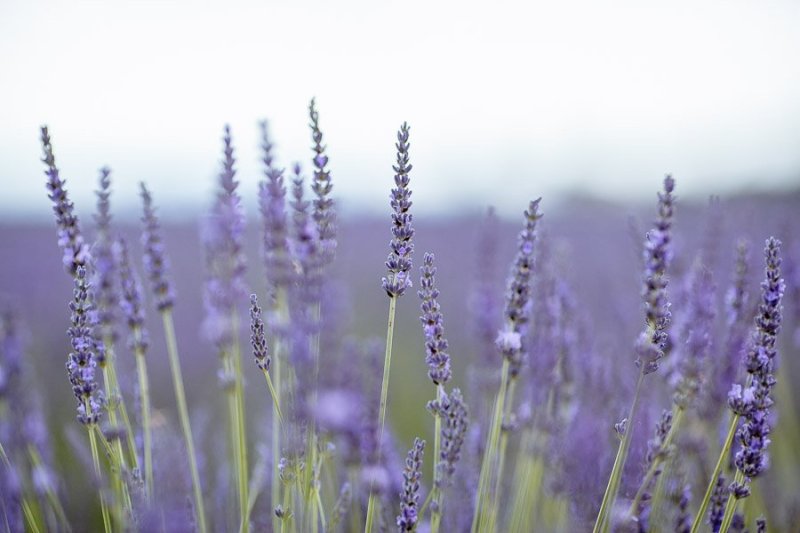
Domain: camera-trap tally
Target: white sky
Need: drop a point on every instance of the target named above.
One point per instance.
(506, 100)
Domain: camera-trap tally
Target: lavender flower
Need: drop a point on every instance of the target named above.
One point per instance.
(409, 497)
(517, 308)
(657, 256)
(257, 337)
(755, 400)
(697, 335)
(156, 263)
(131, 301)
(224, 243)
(455, 415)
(436, 357)
(761, 524)
(683, 522)
(272, 204)
(74, 248)
(401, 246)
(104, 264)
(81, 363)
(324, 216)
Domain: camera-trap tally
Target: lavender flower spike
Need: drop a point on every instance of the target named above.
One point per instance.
(409, 497)
(257, 337)
(81, 364)
(155, 261)
(402, 248)
(518, 293)
(272, 204)
(104, 261)
(75, 250)
(131, 301)
(754, 402)
(324, 215)
(657, 256)
(455, 414)
(433, 325)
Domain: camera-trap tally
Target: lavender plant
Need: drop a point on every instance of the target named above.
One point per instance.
(541, 363)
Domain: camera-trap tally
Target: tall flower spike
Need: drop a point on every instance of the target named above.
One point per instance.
(75, 251)
(323, 214)
(518, 293)
(409, 497)
(131, 301)
(223, 236)
(156, 263)
(436, 356)
(81, 363)
(401, 245)
(104, 262)
(754, 402)
(257, 337)
(455, 414)
(272, 204)
(657, 256)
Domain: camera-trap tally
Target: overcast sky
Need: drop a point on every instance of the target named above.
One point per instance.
(506, 101)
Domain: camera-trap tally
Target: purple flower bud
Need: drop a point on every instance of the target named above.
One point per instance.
(257, 337)
(156, 264)
(409, 497)
(436, 357)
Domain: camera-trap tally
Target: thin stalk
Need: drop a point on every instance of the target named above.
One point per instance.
(726, 448)
(183, 414)
(501, 461)
(113, 391)
(436, 513)
(30, 518)
(275, 496)
(730, 506)
(387, 361)
(241, 438)
(98, 473)
(610, 495)
(492, 439)
(144, 393)
(275, 401)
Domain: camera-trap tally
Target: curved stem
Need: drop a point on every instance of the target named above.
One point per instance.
(619, 463)
(387, 362)
(144, 393)
(183, 414)
(726, 448)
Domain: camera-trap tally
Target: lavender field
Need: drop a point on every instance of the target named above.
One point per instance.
(584, 366)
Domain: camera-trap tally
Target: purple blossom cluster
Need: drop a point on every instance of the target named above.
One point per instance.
(402, 248)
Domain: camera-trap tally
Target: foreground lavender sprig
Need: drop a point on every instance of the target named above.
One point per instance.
(401, 245)
(510, 346)
(75, 251)
(409, 497)
(518, 293)
(436, 356)
(754, 401)
(258, 341)
(652, 342)
(397, 280)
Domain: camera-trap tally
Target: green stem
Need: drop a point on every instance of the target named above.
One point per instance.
(730, 506)
(487, 465)
(52, 496)
(183, 414)
(723, 456)
(387, 362)
(275, 496)
(501, 461)
(241, 437)
(113, 391)
(98, 473)
(144, 393)
(436, 514)
(275, 401)
(610, 496)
